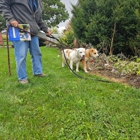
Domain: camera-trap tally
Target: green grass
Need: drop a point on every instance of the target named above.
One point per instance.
(64, 107)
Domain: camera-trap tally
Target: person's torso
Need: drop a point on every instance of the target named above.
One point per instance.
(24, 14)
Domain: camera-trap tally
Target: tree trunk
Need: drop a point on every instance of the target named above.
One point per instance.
(112, 39)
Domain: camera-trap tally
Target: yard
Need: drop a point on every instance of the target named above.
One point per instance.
(63, 106)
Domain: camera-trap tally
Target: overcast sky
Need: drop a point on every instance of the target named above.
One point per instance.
(68, 7)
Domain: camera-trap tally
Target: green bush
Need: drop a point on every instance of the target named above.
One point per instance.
(68, 38)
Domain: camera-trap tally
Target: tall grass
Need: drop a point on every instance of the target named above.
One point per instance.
(64, 107)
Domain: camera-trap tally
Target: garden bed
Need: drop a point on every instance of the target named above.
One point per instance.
(116, 70)
(130, 80)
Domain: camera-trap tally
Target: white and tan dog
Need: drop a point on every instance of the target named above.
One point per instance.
(74, 56)
(90, 53)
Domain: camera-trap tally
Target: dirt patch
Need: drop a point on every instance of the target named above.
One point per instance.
(130, 80)
(102, 69)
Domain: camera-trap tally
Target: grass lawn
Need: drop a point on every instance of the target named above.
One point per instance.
(64, 107)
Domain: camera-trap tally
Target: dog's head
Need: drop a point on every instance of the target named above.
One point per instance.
(93, 52)
(81, 52)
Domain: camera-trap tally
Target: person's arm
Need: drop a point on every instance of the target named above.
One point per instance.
(44, 28)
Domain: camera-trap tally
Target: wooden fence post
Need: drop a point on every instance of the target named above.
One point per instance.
(1, 40)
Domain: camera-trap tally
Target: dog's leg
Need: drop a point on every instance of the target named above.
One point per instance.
(71, 64)
(77, 67)
(84, 65)
(63, 61)
(88, 67)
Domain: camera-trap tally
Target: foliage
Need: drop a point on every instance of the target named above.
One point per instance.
(95, 24)
(138, 60)
(138, 72)
(126, 67)
(2, 23)
(54, 30)
(68, 37)
(64, 107)
(54, 12)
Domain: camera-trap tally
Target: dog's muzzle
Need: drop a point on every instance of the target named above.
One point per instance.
(83, 57)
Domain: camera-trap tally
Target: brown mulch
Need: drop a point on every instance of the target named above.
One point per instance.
(129, 79)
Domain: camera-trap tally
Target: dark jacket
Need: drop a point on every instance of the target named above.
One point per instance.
(20, 10)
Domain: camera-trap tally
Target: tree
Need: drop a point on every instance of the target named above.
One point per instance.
(114, 23)
(54, 12)
(2, 23)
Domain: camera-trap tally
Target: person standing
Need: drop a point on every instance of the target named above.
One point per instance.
(26, 12)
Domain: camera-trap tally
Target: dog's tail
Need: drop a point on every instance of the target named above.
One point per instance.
(60, 53)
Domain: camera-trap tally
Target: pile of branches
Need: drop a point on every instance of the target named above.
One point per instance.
(118, 64)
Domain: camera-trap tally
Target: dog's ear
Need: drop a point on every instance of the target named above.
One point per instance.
(76, 49)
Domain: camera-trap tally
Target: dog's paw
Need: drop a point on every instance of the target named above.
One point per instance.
(90, 68)
(86, 71)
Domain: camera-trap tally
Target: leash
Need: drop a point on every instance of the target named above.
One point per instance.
(61, 44)
(79, 76)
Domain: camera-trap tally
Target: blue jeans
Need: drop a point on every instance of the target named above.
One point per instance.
(21, 49)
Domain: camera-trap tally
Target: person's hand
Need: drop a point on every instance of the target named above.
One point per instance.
(48, 33)
(14, 23)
